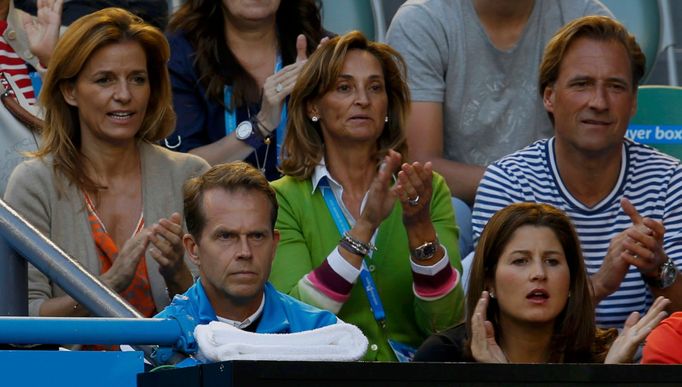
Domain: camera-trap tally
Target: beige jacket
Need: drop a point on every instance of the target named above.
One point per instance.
(31, 192)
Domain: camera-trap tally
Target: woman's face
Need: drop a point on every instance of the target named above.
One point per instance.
(111, 93)
(355, 108)
(252, 10)
(532, 278)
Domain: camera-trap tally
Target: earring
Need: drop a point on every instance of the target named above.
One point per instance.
(492, 295)
(569, 294)
(314, 118)
(386, 119)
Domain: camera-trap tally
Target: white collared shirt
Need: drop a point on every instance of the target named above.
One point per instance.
(249, 320)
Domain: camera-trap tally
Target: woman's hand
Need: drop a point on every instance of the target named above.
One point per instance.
(167, 248)
(43, 30)
(414, 190)
(278, 86)
(635, 331)
(122, 271)
(381, 197)
(484, 348)
(169, 252)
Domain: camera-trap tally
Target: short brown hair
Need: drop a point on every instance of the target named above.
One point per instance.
(303, 144)
(574, 332)
(601, 28)
(231, 177)
(61, 134)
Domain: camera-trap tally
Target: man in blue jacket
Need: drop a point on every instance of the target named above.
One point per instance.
(230, 213)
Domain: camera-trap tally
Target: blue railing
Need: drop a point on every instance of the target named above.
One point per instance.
(123, 325)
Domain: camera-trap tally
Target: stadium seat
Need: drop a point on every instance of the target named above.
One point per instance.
(343, 16)
(658, 121)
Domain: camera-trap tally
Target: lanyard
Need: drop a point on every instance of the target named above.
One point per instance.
(231, 115)
(365, 276)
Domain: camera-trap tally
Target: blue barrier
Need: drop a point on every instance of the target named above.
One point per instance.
(70, 368)
(85, 288)
(89, 330)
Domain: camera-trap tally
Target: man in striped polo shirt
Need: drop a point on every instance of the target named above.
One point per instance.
(624, 198)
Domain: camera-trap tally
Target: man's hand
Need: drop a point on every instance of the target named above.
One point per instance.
(644, 242)
(640, 245)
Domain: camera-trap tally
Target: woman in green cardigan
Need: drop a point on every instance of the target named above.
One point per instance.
(353, 211)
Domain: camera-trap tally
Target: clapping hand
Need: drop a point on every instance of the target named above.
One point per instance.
(169, 252)
(640, 245)
(644, 242)
(484, 348)
(635, 331)
(414, 190)
(381, 197)
(279, 85)
(167, 248)
(123, 269)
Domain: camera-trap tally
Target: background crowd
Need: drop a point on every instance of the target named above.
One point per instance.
(462, 192)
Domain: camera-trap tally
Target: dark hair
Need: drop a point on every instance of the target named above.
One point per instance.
(202, 22)
(303, 144)
(231, 177)
(601, 28)
(61, 135)
(154, 12)
(575, 337)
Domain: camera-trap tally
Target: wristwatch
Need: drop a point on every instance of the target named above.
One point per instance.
(425, 251)
(665, 277)
(247, 131)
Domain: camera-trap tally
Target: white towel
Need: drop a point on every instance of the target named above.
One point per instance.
(219, 341)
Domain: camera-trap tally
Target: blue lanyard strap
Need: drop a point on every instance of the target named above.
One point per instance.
(365, 276)
(231, 115)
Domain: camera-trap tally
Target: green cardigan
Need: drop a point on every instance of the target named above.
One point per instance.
(309, 234)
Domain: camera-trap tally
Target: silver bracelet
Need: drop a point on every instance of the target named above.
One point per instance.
(355, 246)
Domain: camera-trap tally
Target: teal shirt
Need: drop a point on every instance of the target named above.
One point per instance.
(309, 234)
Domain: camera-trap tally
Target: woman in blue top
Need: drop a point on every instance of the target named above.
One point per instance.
(232, 66)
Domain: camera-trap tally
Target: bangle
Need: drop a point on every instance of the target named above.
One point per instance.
(260, 127)
(355, 246)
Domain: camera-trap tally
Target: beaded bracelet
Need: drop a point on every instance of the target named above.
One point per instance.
(355, 246)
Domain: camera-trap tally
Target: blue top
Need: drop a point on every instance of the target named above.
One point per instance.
(281, 313)
(201, 121)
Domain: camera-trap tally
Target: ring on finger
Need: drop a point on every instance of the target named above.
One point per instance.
(279, 88)
(413, 202)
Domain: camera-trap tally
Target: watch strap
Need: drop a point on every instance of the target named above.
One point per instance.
(666, 276)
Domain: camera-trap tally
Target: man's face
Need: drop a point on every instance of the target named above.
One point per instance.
(593, 98)
(235, 250)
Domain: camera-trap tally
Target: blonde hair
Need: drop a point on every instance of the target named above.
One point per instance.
(303, 144)
(61, 137)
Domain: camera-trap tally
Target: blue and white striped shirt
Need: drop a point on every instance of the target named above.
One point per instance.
(651, 180)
